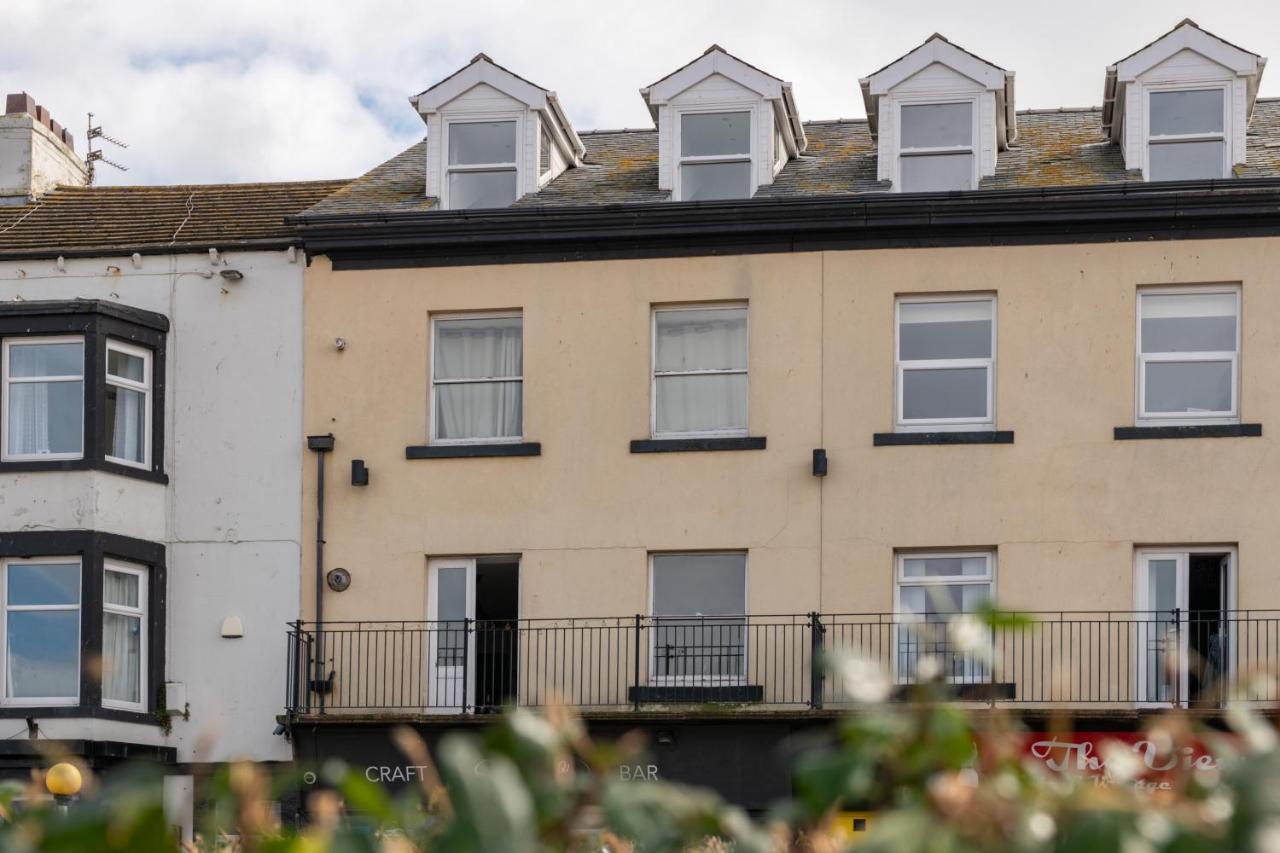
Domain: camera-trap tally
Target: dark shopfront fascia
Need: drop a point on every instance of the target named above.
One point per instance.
(744, 758)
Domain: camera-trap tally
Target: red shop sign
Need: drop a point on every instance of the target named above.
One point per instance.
(1088, 753)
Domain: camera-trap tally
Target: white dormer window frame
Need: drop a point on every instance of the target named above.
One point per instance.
(937, 99)
(679, 112)
(1224, 136)
(447, 168)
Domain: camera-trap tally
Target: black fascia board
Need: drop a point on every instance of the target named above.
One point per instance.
(1106, 213)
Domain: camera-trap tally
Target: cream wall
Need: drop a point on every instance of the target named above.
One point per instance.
(1065, 504)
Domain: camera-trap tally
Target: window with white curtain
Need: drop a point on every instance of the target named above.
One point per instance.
(43, 398)
(936, 147)
(42, 631)
(933, 589)
(124, 635)
(481, 169)
(699, 614)
(1188, 355)
(945, 363)
(1186, 135)
(477, 378)
(700, 371)
(128, 404)
(715, 155)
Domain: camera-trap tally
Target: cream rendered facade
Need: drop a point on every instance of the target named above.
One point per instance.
(1065, 506)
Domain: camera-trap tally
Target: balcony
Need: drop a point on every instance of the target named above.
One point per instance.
(1123, 661)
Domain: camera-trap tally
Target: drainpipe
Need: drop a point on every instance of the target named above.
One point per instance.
(320, 444)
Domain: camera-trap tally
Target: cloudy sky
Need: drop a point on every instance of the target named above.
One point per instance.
(246, 90)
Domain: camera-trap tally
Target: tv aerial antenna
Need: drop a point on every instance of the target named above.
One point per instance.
(95, 154)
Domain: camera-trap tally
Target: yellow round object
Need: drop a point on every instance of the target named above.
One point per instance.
(63, 780)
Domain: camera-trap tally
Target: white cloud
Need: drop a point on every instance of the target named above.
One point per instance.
(227, 90)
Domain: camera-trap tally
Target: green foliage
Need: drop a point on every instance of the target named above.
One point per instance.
(939, 778)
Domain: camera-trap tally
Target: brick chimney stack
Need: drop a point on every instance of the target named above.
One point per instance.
(36, 153)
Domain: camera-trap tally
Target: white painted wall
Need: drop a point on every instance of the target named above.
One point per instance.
(33, 160)
(231, 514)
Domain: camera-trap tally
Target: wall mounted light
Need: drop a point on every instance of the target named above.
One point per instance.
(338, 579)
(232, 628)
(231, 275)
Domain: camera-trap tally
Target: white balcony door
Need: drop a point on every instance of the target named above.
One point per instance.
(451, 652)
(1184, 630)
(1161, 642)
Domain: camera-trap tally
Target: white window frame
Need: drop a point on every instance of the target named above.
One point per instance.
(1145, 418)
(681, 161)
(972, 149)
(1181, 554)
(6, 608)
(446, 168)
(654, 374)
(903, 618)
(901, 423)
(6, 382)
(702, 680)
(140, 613)
(431, 357)
(1224, 137)
(144, 387)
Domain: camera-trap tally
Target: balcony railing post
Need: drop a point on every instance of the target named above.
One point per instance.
(635, 673)
(1179, 663)
(466, 663)
(817, 674)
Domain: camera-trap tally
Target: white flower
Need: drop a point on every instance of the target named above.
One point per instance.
(1155, 827)
(928, 668)
(1119, 761)
(1041, 827)
(970, 635)
(1006, 785)
(863, 680)
(1217, 809)
(1257, 733)
(1267, 838)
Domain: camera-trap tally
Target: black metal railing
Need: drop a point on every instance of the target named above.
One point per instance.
(1124, 659)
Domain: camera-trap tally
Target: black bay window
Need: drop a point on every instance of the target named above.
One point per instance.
(82, 387)
(83, 624)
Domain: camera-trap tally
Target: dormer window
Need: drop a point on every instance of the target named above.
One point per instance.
(1186, 134)
(937, 147)
(482, 168)
(1179, 108)
(493, 137)
(715, 156)
(939, 117)
(725, 128)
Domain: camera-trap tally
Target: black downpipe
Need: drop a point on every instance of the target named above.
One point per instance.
(321, 444)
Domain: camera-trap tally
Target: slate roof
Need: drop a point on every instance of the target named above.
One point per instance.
(1063, 147)
(75, 220)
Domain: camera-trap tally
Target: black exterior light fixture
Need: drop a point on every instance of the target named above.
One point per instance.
(231, 275)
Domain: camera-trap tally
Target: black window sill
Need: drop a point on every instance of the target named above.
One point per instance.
(471, 451)
(666, 693)
(80, 712)
(690, 445)
(899, 439)
(1190, 431)
(29, 465)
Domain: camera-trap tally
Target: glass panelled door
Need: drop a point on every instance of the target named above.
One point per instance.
(1161, 642)
(450, 644)
(1185, 630)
